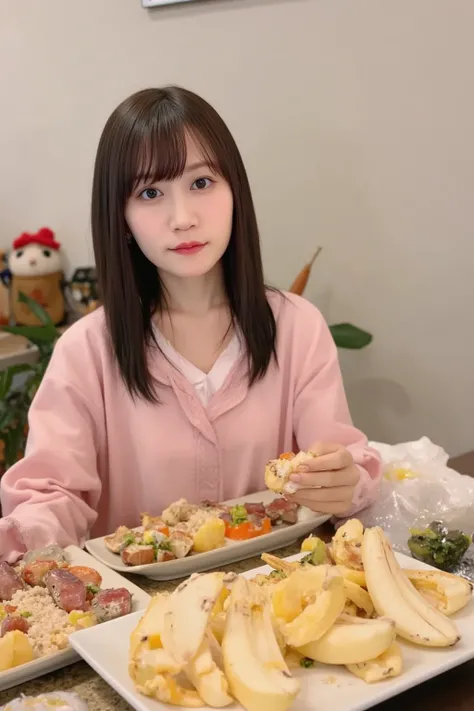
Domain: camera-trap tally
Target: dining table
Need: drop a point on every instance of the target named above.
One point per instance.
(451, 691)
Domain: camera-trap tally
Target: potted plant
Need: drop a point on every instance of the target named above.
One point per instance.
(345, 335)
(15, 400)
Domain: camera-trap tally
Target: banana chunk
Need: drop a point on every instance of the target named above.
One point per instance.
(351, 640)
(388, 664)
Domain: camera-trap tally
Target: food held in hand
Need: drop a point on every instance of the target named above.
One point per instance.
(278, 471)
(438, 546)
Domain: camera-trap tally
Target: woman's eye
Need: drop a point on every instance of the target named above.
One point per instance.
(201, 184)
(150, 194)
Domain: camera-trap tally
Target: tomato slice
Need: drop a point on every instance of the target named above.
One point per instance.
(248, 529)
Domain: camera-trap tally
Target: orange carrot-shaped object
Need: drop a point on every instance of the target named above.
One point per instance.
(299, 284)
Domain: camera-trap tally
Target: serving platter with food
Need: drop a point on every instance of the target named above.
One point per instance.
(187, 538)
(344, 625)
(48, 595)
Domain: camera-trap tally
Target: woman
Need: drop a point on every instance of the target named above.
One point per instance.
(193, 374)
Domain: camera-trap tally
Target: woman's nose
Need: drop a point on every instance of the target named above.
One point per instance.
(182, 216)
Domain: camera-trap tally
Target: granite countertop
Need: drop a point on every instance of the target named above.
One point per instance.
(81, 679)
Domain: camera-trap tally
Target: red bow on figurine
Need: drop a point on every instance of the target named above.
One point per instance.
(44, 236)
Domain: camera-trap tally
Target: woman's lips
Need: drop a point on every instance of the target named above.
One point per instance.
(189, 247)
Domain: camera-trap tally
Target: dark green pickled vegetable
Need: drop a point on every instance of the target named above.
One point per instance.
(438, 546)
(306, 663)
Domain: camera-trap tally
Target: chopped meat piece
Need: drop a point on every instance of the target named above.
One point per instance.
(115, 542)
(257, 509)
(13, 622)
(181, 543)
(163, 555)
(282, 510)
(214, 507)
(178, 512)
(138, 555)
(67, 591)
(148, 521)
(111, 603)
(10, 582)
(52, 552)
(33, 573)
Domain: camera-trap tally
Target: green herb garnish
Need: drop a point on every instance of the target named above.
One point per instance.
(239, 514)
(26, 614)
(306, 663)
(129, 540)
(277, 574)
(93, 589)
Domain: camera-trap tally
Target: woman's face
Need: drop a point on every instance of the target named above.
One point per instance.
(183, 226)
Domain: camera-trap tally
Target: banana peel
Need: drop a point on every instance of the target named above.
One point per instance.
(258, 675)
(387, 665)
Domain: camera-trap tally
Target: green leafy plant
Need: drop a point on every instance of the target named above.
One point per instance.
(346, 335)
(15, 401)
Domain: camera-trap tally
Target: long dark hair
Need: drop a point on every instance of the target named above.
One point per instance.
(145, 139)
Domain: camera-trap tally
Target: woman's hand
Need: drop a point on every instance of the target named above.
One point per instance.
(327, 482)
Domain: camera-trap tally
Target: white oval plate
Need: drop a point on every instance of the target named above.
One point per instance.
(322, 687)
(44, 665)
(282, 535)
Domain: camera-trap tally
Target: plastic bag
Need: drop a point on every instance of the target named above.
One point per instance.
(418, 488)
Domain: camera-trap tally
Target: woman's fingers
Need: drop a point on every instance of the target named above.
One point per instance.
(327, 479)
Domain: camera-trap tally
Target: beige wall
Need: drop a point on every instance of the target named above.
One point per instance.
(355, 119)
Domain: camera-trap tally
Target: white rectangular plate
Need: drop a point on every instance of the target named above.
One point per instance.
(324, 687)
(233, 551)
(44, 665)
